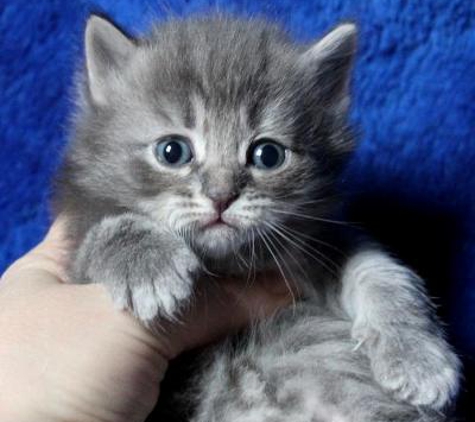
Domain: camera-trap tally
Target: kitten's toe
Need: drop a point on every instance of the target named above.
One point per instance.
(420, 369)
(145, 305)
(175, 296)
(168, 290)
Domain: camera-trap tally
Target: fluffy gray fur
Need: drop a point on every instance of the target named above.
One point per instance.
(361, 343)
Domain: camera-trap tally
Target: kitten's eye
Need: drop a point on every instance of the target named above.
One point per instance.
(266, 155)
(174, 150)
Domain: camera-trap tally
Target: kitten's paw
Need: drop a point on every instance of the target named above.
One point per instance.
(161, 291)
(148, 271)
(415, 367)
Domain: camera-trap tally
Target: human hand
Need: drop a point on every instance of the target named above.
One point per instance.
(68, 355)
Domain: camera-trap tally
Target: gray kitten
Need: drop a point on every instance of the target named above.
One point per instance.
(213, 146)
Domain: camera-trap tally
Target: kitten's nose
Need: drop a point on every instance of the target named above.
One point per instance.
(222, 203)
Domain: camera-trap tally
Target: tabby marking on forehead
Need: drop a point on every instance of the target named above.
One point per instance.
(199, 131)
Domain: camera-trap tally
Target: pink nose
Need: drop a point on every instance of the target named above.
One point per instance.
(221, 205)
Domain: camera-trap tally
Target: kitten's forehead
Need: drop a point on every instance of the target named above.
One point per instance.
(219, 118)
(229, 65)
(223, 130)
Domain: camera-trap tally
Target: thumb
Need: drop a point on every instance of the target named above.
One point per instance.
(49, 256)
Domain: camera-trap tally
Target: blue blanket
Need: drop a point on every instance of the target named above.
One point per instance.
(412, 179)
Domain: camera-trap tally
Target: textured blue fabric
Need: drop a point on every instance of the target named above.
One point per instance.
(412, 178)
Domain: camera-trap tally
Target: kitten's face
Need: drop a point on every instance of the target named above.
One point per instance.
(214, 128)
(221, 181)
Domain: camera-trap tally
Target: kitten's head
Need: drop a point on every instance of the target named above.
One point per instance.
(218, 128)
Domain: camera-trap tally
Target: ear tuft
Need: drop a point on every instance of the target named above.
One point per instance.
(107, 50)
(341, 40)
(328, 63)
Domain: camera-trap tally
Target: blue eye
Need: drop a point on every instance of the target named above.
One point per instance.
(174, 150)
(266, 155)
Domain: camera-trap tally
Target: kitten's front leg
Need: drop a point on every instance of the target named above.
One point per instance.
(395, 325)
(146, 269)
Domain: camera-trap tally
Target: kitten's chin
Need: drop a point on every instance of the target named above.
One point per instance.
(218, 241)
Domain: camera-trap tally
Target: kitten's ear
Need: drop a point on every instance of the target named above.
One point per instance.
(107, 51)
(328, 63)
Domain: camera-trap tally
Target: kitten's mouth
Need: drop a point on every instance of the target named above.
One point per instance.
(217, 222)
(218, 236)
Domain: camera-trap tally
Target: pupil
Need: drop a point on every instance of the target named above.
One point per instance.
(269, 156)
(173, 152)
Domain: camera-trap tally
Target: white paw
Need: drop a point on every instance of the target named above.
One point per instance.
(167, 290)
(146, 270)
(160, 287)
(415, 367)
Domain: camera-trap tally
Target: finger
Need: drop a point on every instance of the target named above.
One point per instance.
(49, 257)
(57, 233)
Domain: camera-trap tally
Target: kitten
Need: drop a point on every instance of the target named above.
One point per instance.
(215, 144)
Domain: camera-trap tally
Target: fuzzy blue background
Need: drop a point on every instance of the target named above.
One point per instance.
(412, 179)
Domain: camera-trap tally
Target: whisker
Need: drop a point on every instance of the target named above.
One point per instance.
(313, 218)
(270, 238)
(295, 238)
(241, 258)
(252, 269)
(251, 273)
(302, 246)
(262, 236)
(315, 201)
(274, 234)
(313, 239)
